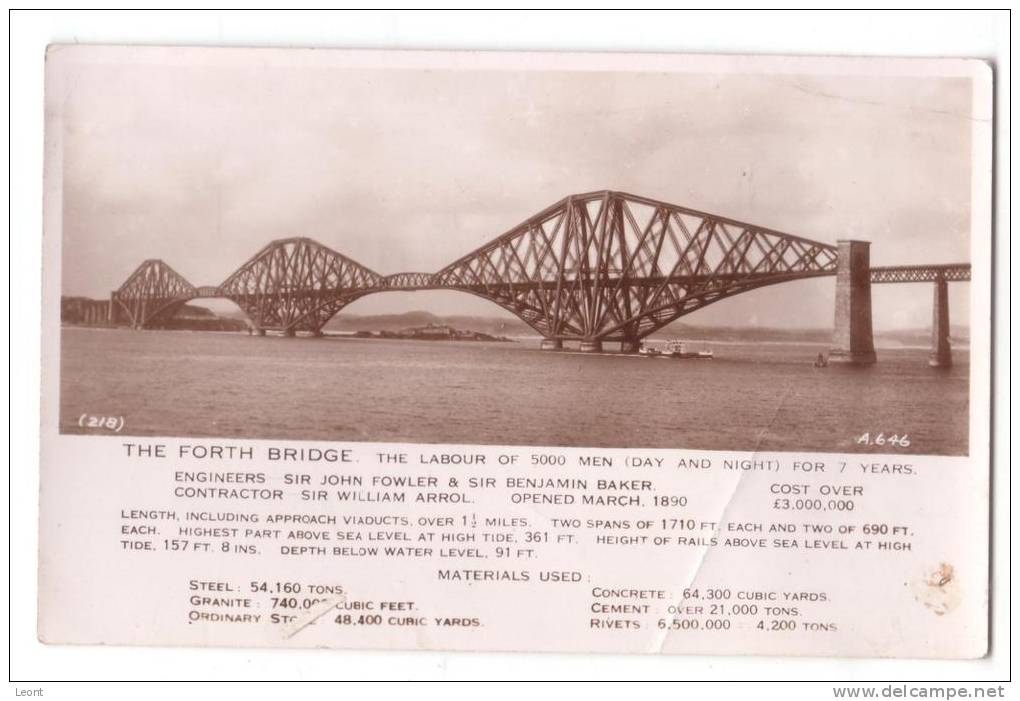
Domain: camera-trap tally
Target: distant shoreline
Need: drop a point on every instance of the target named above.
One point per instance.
(469, 336)
(490, 328)
(880, 344)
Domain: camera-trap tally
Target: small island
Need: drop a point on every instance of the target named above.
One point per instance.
(433, 332)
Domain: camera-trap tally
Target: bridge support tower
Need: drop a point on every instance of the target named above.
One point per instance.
(552, 344)
(941, 355)
(852, 341)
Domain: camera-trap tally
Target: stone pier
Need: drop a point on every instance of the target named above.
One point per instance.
(552, 344)
(290, 332)
(591, 346)
(630, 345)
(852, 339)
(941, 355)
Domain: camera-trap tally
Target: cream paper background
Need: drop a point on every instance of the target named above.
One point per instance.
(34, 656)
(876, 598)
(77, 502)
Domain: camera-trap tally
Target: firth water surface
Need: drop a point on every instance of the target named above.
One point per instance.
(750, 397)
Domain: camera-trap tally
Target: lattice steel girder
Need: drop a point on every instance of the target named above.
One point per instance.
(292, 284)
(410, 281)
(603, 263)
(952, 272)
(154, 290)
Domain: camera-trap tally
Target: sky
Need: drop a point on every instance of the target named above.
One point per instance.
(202, 163)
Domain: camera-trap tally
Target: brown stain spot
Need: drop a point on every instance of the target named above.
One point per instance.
(938, 589)
(942, 576)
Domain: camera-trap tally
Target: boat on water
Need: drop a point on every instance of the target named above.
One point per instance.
(675, 349)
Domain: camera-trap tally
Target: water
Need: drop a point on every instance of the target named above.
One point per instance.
(751, 397)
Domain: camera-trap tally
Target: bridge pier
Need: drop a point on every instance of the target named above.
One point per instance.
(260, 332)
(591, 346)
(941, 354)
(630, 345)
(290, 332)
(552, 344)
(852, 339)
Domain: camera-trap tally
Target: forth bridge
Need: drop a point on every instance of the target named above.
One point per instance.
(593, 268)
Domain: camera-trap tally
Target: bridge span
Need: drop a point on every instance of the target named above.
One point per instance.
(592, 268)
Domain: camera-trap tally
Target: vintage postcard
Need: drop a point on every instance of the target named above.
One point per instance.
(496, 351)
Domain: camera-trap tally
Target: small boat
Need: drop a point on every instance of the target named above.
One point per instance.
(677, 349)
(647, 351)
(821, 361)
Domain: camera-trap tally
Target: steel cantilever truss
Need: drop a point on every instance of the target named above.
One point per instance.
(601, 266)
(152, 293)
(297, 284)
(613, 266)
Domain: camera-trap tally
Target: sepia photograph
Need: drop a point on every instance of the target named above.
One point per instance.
(354, 246)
